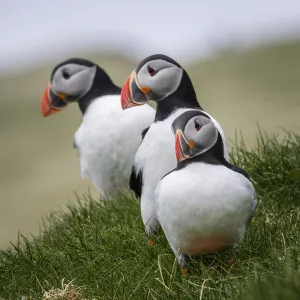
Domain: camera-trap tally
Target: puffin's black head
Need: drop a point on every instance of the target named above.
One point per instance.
(195, 133)
(73, 80)
(155, 78)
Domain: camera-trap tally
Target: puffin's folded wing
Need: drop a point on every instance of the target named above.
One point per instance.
(136, 182)
(136, 178)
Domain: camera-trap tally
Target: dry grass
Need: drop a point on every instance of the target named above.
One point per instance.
(67, 291)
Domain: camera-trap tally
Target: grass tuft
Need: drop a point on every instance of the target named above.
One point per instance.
(101, 246)
(67, 292)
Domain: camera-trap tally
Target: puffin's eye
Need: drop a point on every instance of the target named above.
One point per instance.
(151, 71)
(197, 126)
(66, 74)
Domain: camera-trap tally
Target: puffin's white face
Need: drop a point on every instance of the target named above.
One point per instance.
(69, 82)
(73, 80)
(160, 77)
(194, 136)
(153, 79)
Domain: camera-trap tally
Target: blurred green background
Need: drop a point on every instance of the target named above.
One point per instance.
(40, 169)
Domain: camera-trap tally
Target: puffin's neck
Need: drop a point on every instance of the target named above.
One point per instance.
(166, 106)
(214, 156)
(102, 86)
(88, 98)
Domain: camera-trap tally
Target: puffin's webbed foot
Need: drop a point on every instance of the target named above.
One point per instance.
(183, 260)
(150, 243)
(184, 271)
(151, 228)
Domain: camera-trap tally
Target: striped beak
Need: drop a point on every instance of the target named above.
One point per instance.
(132, 94)
(52, 102)
(182, 146)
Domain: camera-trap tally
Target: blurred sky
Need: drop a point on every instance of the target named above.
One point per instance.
(35, 31)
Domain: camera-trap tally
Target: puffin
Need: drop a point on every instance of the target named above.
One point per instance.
(108, 137)
(205, 204)
(161, 79)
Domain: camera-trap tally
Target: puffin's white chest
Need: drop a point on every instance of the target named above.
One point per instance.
(108, 139)
(202, 207)
(156, 155)
(155, 158)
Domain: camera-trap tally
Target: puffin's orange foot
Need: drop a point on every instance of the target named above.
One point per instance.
(184, 271)
(231, 261)
(150, 243)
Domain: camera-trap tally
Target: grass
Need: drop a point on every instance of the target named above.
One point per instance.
(99, 251)
(39, 167)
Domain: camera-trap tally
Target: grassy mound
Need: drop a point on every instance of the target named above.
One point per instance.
(40, 168)
(99, 251)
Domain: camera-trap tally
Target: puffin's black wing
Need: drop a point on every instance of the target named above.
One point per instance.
(136, 179)
(236, 169)
(144, 132)
(243, 172)
(136, 182)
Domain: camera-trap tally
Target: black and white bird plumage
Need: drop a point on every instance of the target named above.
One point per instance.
(205, 204)
(108, 137)
(136, 178)
(158, 78)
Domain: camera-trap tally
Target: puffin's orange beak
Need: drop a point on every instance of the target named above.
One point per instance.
(47, 108)
(132, 94)
(182, 146)
(178, 150)
(126, 95)
(52, 102)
